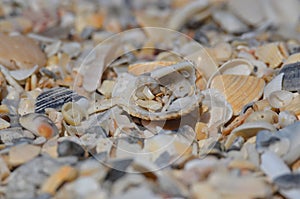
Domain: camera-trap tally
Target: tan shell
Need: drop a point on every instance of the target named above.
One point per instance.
(145, 67)
(73, 114)
(292, 58)
(239, 89)
(293, 106)
(266, 116)
(272, 54)
(20, 52)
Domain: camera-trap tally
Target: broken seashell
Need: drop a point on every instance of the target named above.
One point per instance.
(73, 114)
(4, 124)
(22, 74)
(265, 116)
(293, 106)
(238, 89)
(20, 52)
(56, 98)
(141, 68)
(274, 85)
(229, 22)
(286, 118)
(291, 77)
(39, 124)
(278, 99)
(271, 53)
(106, 88)
(248, 130)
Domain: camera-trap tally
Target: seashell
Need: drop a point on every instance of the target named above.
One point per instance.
(4, 124)
(286, 118)
(181, 16)
(20, 52)
(229, 22)
(39, 124)
(292, 59)
(248, 130)
(293, 106)
(220, 110)
(56, 98)
(274, 85)
(284, 142)
(264, 116)
(271, 54)
(73, 114)
(141, 68)
(261, 105)
(291, 77)
(222, 51)
(22, 74)
(288, 181)
(245, 9)
(278, 99)
(238, 89)
(233, 67)
(106, 88)
(72, 49)
(177, 80)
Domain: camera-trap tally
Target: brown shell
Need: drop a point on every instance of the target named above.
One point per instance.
(145, 67)
(20, 52)
(239, 89)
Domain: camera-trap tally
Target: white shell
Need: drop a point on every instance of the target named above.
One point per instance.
(274, 85)
(286, 118)
(281, 98)
(22, 74)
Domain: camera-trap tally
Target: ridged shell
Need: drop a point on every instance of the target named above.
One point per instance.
(291, 78)
(55, 98)
(39, 124)
(145, 67)
(271, 54)
(239, 89)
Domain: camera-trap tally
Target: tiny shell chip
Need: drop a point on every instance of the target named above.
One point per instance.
(20, 52)
(55, 98)
(291, 77)
(39, 124)
(239, 89)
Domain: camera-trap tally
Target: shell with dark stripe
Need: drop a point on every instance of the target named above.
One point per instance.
(55, 98)
(291, 78)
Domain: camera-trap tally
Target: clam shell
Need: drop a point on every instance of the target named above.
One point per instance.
(248, 130)
(233, 67)
(55, 98)
(245, 9)
(39, 124)
(238, 89)
(291, 78)
(278, 99)
(266, 116)
(270, 54)
(141, 68)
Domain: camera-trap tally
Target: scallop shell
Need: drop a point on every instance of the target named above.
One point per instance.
(141, 68)
(245, 9)
(234, 67)
(248, 130)
(55, 98)
(271, 54)
(278, 99)
(239, 89)
(291, 78)
(39, 124)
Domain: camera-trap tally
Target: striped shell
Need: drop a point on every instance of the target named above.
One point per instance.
(291, 77)
(239, 89)
(55, 98)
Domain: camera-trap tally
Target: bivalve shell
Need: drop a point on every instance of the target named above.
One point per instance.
(239, 89)
(291, 77)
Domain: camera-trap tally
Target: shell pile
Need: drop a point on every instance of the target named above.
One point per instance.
(150, 99)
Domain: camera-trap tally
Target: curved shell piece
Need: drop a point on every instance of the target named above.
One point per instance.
(291, 78)
(286, 118)
(39, 124)
(145, 67)
(238, 89)
(278, 99)
(73, 114)
(293, 106)
(233, 67)
(56, 98)
(248, 130)
(274, 85)
(265, 116)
